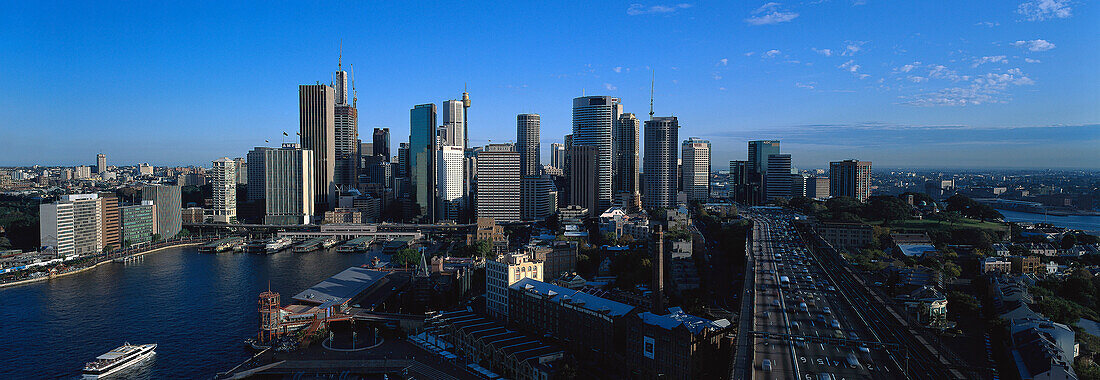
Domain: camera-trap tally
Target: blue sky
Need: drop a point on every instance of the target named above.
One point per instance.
(901, 83)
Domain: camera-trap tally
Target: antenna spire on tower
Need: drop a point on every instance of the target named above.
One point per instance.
(652, 78)
(354, 92)
(340, 57)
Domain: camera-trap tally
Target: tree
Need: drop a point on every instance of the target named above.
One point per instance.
(886, 208)
(961, 305)
(406, 257)
(951, 270)
(1068, 241)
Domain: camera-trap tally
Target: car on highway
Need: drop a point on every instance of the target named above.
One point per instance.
(766, 365)
(853, 361)
(827, 310)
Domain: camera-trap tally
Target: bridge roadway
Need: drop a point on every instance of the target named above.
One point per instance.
(797, 342)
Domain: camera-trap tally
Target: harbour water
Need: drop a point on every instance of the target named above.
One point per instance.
(197, 307)
(1087, 223)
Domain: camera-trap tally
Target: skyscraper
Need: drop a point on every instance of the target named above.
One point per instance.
(593, 117)
(777, 178)
(453, 124)
(759, 150)
(450, 160)
(402, 170)
(557, 155)
(817, 187)
(583, 178)
(168, 201)
(109, 218)
(256, 173)
(224, 183)
(317, 115)
(696, 168)
(422, 147)
(382, 143)
(288, 180)
(626, 154)
(659, 162)
(535, 195)
(850, 178)
(242, 170)
(346, 165)
(527, 143)
(101, 163)
(498, 183)
(739, 181)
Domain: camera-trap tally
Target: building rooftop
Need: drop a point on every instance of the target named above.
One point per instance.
(342, 287)
(676, 317)
(560, 294)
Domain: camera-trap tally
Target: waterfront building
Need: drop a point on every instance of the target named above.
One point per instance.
(73, 225)
(289, 196)
(498, 182)
(503, 271)
(168, 201)
(256, 173)
(138, 223)
(55, 228)
(423, 144)
(190, 215)
(593, 118)
(557, 155)
(583, 177)
(317, 118)
(850, 178)
(660, 162)
(224, 185)
(777, 178)
(696, 169)
(626, 150)
(109, 220)
(100, 163)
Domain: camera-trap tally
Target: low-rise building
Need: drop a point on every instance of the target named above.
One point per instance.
(995, 265)
(572, 214)
(343, 215)
(1025, 264)
(676, 345)
(913, 245)
(488, 230)
(503, 271)
(846, 235)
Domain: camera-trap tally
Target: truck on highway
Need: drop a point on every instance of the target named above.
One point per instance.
(784, 281)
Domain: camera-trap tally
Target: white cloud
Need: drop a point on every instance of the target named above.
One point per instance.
(991, 59)
(716, 76)
(806, 85)
(722, 88)
(988, 24)
(1039, 10)
(908, 68)
(770, 13)
(723, 61)
(988, 88)
(1035, 45)
(1029, 60)
(639, 9)
(771, 53)
(942, 72)
(610, 87)
(917, 79)
(852, 47)
(618, 69)
(825, 52)
(850, 66)
(749, 54)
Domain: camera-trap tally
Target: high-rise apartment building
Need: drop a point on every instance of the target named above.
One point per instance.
(498, 183)
(696, 169)
(583, 177)
(224, 183)
(56, 228)
(256, 173)
(422, 151)
(557, 155)
(850, 178)
(660, 162)
(73, 225)
(626, 151)
(593, 118)
(109, 219)
(101, 163)
(527, 143)
(451, 159)
(777, 178)
(289, 196)
(317, 117)
(168, 201)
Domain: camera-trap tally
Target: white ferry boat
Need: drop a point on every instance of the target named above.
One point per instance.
(117, 359)
(277, 245)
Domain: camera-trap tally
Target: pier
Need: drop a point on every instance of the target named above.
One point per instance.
(221, 245)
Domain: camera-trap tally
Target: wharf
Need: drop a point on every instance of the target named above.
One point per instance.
(221, 245)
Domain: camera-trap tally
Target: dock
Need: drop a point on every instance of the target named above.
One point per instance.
(359, 244)
(309, 245)
(221, 245)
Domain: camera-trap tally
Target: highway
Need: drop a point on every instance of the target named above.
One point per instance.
(803, 325)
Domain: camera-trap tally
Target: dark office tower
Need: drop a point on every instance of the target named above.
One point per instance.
(402, 169)
(593, 118)
(557, 155)
(527, 143)
(382, 143)
(850, 178)
(582, 177)
(659, 163)
(626, 150)
(759, 151)
(255, 184)
(422, 166)
(317, 116)
(777, 178)
(739, 181)
(659, 269)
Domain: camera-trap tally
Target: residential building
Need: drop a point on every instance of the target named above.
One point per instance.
(995, 265)
(696, 169)
(659, 162)
(850, 178)
(676, 345)
(138, 223)
(317, 118)
(100, 163)
(289, 196)
(503, 271)
(224, 185)
(109, 220)
(168, 200)
(593, 118)
(423, 144)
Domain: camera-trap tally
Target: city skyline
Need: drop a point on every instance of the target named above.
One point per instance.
(902, 93)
